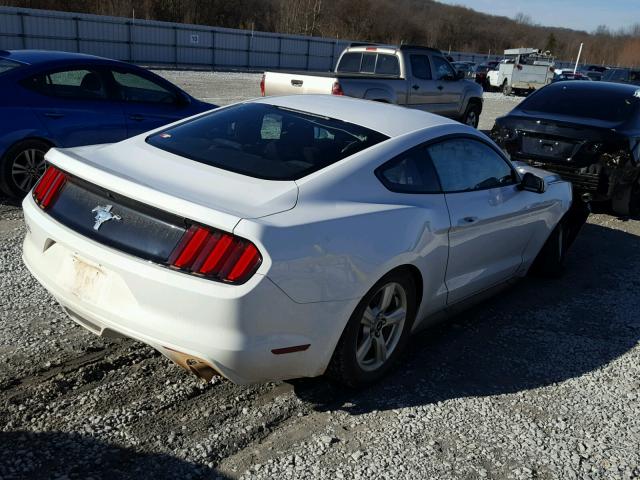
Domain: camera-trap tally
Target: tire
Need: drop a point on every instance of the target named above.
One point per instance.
(368, 326)
(471, 115)
(626, 200)
(21, 167)
(550, 260)
(506, 88)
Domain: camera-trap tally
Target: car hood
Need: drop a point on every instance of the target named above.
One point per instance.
(211, 195)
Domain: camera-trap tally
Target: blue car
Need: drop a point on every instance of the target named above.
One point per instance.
(66, 100)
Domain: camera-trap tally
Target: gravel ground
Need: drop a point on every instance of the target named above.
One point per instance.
(540, 382)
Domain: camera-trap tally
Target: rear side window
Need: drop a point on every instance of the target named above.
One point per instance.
(135, 88)
(387, 65)
(265, 141)
(584, 101)
(616, 75)
(77, 84)
(420, 66)
(411, 172)
(466, 165)
(6, 65)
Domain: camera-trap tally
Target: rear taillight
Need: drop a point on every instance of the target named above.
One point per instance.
(336, 89)
(262, 85)
(215, 254)
(49, 186)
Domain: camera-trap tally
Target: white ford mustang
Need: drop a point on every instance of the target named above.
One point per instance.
(288, 237)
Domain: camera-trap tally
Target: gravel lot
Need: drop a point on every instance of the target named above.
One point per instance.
(540, 382)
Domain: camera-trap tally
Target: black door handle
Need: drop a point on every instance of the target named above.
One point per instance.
(415, 87)
(53, 114)
(137, 117)
(440, 87)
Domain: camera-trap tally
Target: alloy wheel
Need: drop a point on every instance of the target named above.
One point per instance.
(27, 167)
(381, 326)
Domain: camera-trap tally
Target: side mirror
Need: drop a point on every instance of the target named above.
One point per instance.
(183, 99)
(532, 183)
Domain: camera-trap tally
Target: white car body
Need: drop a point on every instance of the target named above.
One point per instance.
(325, 240)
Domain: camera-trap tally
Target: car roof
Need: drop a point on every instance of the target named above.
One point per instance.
(390, 120)
(42, 57)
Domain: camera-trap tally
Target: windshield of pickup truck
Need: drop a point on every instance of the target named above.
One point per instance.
(369, 62)
(265, 141)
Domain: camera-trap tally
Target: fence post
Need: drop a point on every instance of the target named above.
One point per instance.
(23, 34)
(77, 25)
(279, 51)
(175, 46)
(130, 40)
(308, 52)
(213, 49)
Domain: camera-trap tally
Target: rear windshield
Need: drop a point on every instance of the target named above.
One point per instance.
(369, 62)
(615, 74)
(6, 65)
(612, 106)
(265, 141)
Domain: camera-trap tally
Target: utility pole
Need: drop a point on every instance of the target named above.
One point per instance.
(575, 69)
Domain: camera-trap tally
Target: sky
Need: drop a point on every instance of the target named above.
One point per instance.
(575, 14)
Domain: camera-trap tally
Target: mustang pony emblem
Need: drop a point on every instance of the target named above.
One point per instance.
(103, 214)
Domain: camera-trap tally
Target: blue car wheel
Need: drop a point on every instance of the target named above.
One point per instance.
(21, 167)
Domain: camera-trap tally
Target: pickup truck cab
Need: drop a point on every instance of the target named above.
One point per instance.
(411, 76)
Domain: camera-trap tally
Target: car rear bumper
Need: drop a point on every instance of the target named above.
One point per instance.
(231, 329)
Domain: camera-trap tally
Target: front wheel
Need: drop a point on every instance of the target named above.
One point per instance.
(550, 260)
(506, 88)
(21, 167)
(626, 200)
(376, 333)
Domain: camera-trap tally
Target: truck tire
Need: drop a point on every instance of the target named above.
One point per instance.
(471, 115)
(506, 88)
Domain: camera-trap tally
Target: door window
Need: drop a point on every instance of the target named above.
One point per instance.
(78, 83)
(466, 165)
(411, 172)
(420, 66)
(443, 69)
(135, 88)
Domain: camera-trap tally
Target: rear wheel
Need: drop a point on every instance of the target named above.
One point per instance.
(472, 115)
(506, 88)
(21, 167)
(376, 333)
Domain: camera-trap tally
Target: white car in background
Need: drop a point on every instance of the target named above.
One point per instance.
(288, 237)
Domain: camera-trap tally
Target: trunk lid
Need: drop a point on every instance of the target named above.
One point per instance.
(557, 137)
(176, 185)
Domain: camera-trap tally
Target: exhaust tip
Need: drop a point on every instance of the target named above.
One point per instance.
(199, 367)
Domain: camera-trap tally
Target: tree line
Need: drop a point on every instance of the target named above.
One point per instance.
(423, 22)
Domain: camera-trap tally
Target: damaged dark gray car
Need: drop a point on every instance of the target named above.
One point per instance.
(587, 132)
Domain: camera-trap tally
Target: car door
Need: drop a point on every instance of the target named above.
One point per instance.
(424, 92)
(491, 223)
(74, 106)
(413, 180)
(148, 103)
(449, 84)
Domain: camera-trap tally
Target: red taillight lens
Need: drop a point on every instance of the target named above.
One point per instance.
(336, 89)
(48, 187)
(262, 85)
(216, 254)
